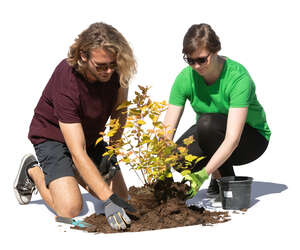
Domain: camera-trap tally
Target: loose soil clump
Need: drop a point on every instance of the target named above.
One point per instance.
(160, 205)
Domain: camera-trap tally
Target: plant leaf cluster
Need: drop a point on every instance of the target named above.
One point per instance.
(144, 145)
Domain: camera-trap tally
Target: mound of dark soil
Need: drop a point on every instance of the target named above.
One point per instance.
(159, 206)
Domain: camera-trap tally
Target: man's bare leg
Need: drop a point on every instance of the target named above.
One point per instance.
(37, 175)
(63, 194)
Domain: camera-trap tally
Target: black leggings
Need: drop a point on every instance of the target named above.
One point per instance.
(209, 133)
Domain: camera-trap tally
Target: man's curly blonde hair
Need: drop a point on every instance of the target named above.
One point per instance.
(101, 35)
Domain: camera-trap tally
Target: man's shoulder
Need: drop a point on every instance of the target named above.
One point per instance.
(66, 74)
(63, 80)
(63, 68)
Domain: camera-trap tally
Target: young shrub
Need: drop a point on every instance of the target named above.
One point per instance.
(143, 145)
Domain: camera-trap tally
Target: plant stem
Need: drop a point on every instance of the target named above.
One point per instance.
(127, 141)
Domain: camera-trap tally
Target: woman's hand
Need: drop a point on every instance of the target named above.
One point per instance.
(196, 180)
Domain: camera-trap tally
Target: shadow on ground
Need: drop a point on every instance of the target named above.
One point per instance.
(89, 203)
(259, 189)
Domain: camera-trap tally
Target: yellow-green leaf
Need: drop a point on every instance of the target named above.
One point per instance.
(144, 108)
(190, 158)
(156, 124)
(125, 160)
(169, 159)
(182, 149)
(154, 118)
(185, 172)
(199, 159)
(128, 125)
(169, 175)
(162, 178)
(111, 133)
(141, 122)
(98, 140)
(123, 105)
(188, 140)
(106, 153)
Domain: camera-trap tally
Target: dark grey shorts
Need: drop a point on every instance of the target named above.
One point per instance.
(56, 161)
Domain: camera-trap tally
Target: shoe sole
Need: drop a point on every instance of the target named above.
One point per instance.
(18, 196)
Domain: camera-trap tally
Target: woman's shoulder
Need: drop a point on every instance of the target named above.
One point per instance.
(188, 75)
(185, 72)
(235, 67)
(237, 76)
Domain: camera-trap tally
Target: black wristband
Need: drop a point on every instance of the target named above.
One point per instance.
(121, 203)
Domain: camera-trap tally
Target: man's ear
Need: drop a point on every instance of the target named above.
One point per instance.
(84, 56)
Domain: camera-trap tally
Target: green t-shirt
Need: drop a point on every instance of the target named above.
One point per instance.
(233, 89)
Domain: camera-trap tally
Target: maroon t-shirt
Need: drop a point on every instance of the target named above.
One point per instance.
(69, 98)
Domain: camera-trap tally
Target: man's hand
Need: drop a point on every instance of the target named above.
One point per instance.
(196, 180)
(115, 214)
(109, 167)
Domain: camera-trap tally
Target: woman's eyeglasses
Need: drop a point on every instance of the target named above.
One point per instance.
(199, 60)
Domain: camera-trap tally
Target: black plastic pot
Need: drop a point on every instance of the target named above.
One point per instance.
(235, 192)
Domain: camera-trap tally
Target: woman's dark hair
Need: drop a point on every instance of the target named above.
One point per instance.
(200, 36)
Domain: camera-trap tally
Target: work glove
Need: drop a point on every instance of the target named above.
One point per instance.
(109, 167)
(115, 214)
(196, 180)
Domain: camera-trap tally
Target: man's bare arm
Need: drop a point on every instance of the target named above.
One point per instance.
(74, 137)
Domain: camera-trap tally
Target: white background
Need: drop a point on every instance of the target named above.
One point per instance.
(262, 35)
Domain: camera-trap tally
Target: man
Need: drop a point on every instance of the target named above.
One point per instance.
(82, 94)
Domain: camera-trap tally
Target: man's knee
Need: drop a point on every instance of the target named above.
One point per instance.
(66, 196)
(70, 209)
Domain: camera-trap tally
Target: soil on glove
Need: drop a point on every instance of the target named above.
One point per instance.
(158, 206)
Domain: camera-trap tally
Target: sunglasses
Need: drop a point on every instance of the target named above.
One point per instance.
(199, 60)
(102, 67)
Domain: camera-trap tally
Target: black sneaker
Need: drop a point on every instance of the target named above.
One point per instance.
(213, 189)
(23, 185)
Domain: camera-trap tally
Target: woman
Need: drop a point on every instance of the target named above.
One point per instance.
(231, 127)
